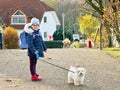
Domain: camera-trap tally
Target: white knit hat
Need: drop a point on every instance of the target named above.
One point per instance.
(34, 21)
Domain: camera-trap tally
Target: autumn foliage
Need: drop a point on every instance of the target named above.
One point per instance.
(10, 38)
(88, 25)
(111, 20)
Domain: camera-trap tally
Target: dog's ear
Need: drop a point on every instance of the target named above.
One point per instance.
(77, 71)
(77, 66)
(71, 66)
(85, 70)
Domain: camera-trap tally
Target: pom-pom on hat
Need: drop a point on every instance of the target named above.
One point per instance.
(35, 21)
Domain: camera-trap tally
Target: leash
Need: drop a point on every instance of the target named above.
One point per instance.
(56, 65)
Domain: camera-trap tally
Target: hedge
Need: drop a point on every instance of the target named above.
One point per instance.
(54, 44)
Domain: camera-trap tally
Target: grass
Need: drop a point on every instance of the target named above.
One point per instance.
(115, 52)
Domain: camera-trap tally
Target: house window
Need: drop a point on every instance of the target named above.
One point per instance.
(18, 18)
(45, 34)
(45, 19)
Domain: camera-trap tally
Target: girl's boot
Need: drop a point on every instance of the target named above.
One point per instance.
(35, 78)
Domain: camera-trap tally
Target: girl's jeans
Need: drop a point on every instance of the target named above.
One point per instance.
(33, 63)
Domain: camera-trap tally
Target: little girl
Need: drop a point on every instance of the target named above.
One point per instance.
(36, 47)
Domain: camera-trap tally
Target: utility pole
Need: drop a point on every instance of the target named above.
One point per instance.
(63, 17)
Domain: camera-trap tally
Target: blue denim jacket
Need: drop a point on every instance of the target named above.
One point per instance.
(35, 43)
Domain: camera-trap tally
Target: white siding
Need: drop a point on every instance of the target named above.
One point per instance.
(50, 25)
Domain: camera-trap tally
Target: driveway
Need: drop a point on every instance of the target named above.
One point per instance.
(103, 71)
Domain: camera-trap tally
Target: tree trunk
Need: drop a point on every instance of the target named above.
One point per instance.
(118, 38)
(109, 41)
(117, 32)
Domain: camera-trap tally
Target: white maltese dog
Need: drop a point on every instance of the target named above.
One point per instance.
(76, 75)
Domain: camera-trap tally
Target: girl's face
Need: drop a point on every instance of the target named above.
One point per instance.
(35, 26)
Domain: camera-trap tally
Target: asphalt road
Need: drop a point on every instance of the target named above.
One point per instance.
(103, 71)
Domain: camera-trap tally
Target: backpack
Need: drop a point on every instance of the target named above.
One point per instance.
(23, 40)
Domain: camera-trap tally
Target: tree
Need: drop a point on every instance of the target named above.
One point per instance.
(98, 6)
(51, 3)
(58, 35)
(71, 11)
(88, 25)
(112, 19)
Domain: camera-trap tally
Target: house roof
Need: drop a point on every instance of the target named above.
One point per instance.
(31, 8)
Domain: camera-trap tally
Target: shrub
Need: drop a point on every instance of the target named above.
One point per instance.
(66, 42)
(58, 35)
(10, 38)
(54, 44)
(77, 44)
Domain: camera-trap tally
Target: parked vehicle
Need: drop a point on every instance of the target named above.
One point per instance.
(76, 37)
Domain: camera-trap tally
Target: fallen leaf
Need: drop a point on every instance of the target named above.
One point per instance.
(8, 80)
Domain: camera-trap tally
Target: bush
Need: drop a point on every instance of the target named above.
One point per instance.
(10, 38)
(77, 44)
(58, 35)
(66, 42)
(54, 44)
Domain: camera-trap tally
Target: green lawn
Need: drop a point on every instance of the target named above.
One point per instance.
(115, 52)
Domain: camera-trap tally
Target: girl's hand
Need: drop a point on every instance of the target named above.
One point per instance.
(36, 52)
(45, 51)
(37, 56)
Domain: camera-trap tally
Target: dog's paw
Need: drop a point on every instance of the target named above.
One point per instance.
(81, 84)
(69, 82)
(76, 84)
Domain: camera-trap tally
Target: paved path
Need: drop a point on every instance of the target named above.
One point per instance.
(103, 71)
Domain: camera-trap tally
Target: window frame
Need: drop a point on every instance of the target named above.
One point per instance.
(45, 34)
(45, 19)
(18, 17)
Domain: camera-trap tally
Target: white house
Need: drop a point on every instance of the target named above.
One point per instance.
(49, 25)
(17, 13)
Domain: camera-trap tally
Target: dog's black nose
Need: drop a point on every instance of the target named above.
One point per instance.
(81, 73)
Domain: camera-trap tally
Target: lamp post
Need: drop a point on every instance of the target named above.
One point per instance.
(63, 17)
